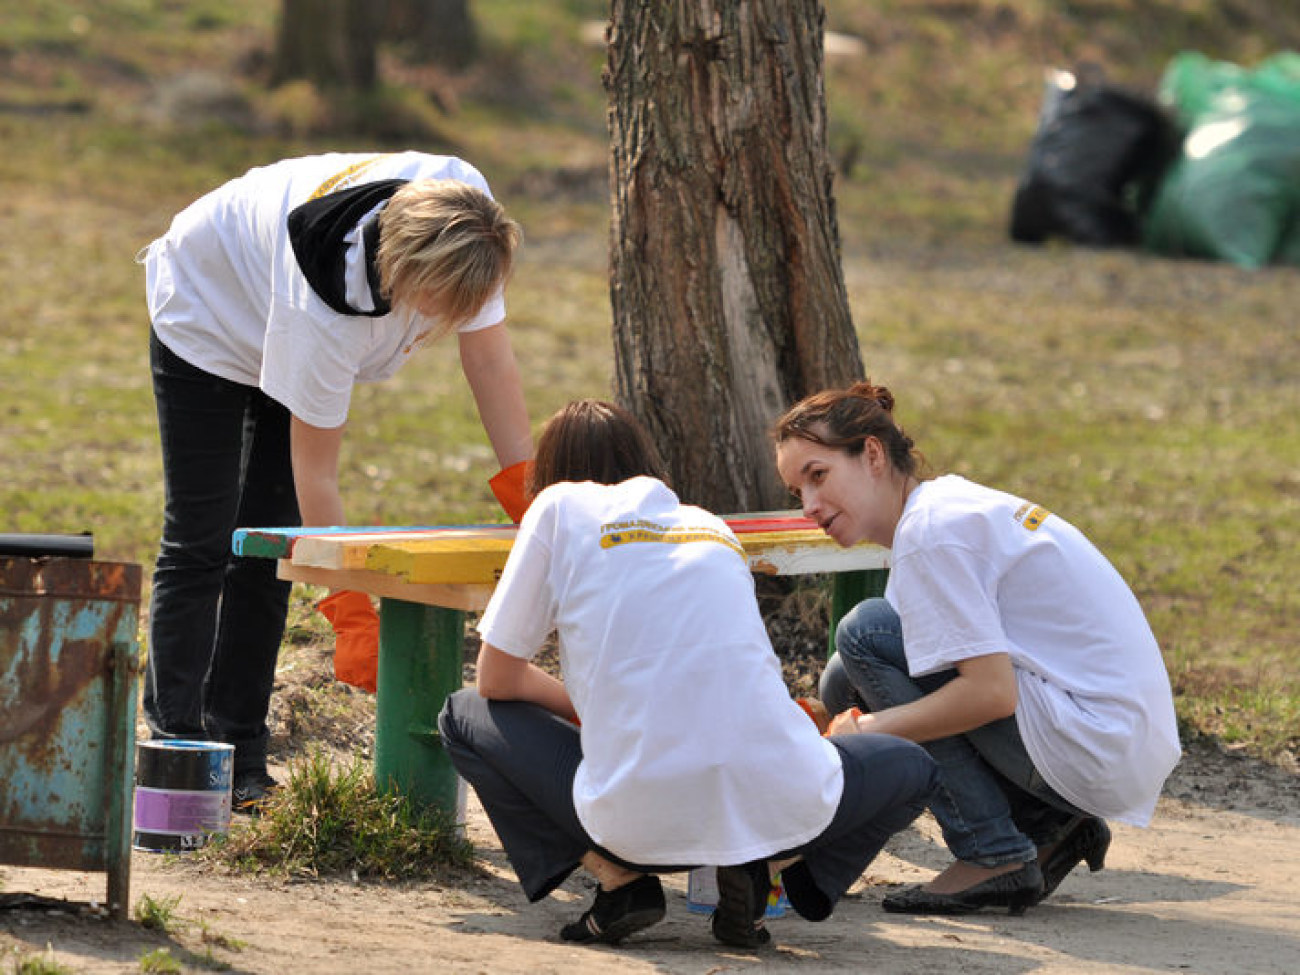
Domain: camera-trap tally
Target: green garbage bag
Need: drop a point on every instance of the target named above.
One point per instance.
(1234, 192)
(1192, 81)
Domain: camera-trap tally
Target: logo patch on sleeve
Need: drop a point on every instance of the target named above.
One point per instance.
(1031, 516)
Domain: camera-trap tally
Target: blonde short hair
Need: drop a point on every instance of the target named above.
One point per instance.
(445, 247)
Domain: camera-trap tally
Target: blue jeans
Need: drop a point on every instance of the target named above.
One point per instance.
(216, 621)
(992, 804)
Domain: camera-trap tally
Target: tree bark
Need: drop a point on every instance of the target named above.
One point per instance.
(728, 297)
(330, 43)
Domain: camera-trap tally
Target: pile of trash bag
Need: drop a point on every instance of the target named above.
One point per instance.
(1209, 168)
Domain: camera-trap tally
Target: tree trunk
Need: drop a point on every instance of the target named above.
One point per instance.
(728, 297)
(330, 43)
(439, 32)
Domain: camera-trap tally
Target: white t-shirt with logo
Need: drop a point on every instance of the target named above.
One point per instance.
(693, 751)
(226, 293)
(977, 571)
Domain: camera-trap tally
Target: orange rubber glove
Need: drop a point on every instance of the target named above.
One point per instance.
(509, 487)
(356, 637)
(816, 710)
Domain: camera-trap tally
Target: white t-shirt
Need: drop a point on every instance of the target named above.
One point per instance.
(976, 571)
(226, 292)
(693, 751)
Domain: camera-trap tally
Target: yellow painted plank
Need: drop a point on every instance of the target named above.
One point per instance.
(801, 559)
(476, 556)
(344, 551)
(467, 557)
(480, 560)
(815, 538)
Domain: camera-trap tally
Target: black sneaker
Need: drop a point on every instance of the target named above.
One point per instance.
(250, 790)
(617, 913)
(742, 905)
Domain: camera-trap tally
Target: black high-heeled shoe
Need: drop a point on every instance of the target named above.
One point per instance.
(1016, 891)
(1088, 840)
(617, 913)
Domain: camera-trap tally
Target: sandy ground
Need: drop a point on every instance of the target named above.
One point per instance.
(1211, 887)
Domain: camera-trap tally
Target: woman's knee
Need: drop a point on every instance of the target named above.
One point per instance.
(871, 629)
(457, 714)
(892, 770)
(869, 646)
(200, 544)
(835, 689)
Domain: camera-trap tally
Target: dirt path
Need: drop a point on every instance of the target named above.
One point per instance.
(1212, 887)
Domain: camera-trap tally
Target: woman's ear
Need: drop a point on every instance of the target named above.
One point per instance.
(874, 453)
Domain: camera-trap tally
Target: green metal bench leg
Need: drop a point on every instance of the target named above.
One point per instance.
(421, 652)
(847, 590)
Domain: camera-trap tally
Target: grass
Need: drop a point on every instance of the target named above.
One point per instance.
(45, 964)
(157, 913)
(1151, 402)
(329, 820)
(160, 915)
(160, 961)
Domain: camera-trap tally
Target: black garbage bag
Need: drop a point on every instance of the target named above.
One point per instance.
(1093, 166)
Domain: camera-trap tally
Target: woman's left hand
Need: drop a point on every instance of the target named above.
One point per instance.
(511, 489)
(488, 362)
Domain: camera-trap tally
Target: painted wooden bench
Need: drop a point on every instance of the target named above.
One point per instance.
(428, 577)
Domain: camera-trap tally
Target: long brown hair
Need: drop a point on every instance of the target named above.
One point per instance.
(591, 440)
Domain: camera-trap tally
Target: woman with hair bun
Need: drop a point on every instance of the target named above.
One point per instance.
(1006, 643)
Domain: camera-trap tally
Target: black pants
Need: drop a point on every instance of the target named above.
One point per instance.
(216, 621)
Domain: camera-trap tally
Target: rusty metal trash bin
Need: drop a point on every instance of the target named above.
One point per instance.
(68, 668)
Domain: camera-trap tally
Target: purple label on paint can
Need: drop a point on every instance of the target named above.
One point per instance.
(179, 811)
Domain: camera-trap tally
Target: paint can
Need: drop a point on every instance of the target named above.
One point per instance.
(702, 893)
(182, 793)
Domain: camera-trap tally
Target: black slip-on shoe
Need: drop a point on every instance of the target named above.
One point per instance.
(1088, 840)
(1016, 891)
(617, 913)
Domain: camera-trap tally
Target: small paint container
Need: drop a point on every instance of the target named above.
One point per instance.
(182, 793)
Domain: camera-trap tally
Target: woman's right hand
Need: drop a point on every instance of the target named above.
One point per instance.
(847, 722)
